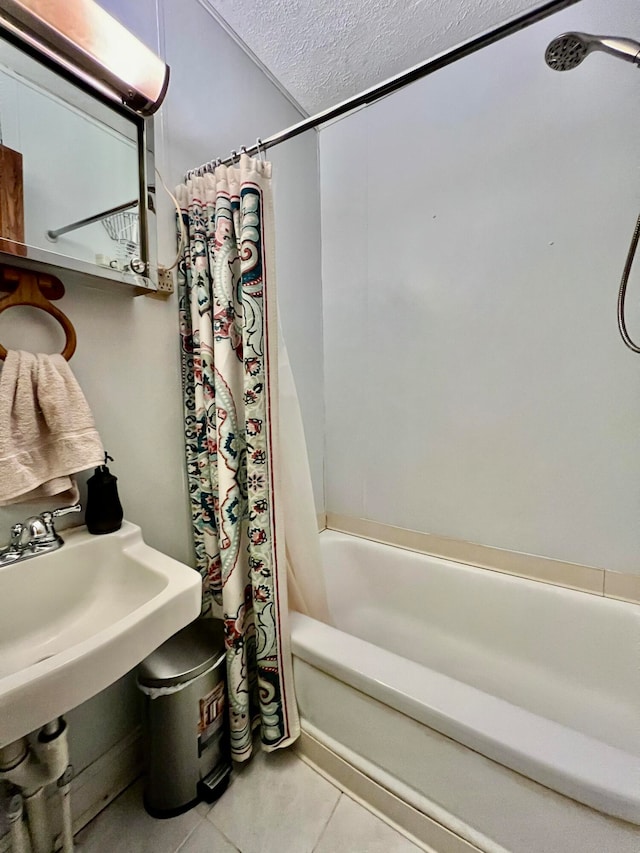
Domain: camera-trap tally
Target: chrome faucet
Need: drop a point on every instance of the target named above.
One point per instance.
(34, 536)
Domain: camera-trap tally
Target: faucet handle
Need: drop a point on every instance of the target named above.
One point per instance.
(48, 516)
(65, 510)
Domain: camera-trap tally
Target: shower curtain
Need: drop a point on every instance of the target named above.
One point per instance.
(254, 523)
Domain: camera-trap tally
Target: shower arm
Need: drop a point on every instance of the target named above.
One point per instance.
(620, 47)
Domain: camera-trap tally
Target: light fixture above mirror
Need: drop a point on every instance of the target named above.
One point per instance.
(85, 41)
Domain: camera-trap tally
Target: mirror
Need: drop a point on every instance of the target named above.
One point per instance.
(71, 173)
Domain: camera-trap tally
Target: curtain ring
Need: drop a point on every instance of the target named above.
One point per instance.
(243, 150)
(234, 157)
(261, 152)
(218, 162)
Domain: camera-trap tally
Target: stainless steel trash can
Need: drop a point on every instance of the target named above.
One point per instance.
(185, 720)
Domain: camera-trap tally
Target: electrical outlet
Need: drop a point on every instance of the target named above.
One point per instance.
(165, 280)
(165, 284)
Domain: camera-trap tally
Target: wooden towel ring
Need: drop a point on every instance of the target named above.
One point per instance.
(26, 287)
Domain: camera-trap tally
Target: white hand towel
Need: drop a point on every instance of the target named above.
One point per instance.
(47, 431)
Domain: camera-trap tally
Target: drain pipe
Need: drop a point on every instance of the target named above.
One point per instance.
(31, 769)
(17, 831)
(64, 789)
(38, 820)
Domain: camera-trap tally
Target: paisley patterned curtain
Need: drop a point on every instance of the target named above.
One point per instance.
(230, 361)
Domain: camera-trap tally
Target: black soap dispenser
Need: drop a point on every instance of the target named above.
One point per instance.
(104, 511)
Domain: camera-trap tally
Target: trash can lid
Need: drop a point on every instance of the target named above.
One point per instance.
(187, 654)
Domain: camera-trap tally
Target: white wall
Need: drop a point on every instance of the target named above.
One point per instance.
(474, 228)
(127, 360)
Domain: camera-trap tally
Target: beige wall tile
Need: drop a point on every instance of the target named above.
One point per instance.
(571, 575)
(625, 587)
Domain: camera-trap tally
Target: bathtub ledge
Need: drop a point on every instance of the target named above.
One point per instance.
(565, 760)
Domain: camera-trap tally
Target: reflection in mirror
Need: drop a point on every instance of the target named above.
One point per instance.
(65, 158)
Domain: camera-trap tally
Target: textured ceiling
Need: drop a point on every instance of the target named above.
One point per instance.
(323, 51)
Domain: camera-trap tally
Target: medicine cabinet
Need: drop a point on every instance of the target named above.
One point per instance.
(77, 188)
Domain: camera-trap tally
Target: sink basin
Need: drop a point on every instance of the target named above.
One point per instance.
(75, 620)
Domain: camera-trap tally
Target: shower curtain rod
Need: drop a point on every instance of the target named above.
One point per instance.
(375, 93)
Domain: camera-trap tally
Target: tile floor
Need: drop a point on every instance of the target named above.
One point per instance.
(277, 804)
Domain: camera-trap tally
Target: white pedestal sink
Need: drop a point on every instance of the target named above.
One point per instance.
(75, 620)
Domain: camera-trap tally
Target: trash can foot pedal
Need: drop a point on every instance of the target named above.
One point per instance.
(214, 785)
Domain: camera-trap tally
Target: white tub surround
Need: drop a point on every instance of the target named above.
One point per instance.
(468, 663)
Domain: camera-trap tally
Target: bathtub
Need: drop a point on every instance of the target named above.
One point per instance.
(505, 709)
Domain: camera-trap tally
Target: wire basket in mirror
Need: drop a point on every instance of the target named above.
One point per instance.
(124, 229)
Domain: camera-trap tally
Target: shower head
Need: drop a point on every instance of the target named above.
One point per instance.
(568, 50)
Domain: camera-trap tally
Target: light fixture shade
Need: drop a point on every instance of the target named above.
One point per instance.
(86, 40)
